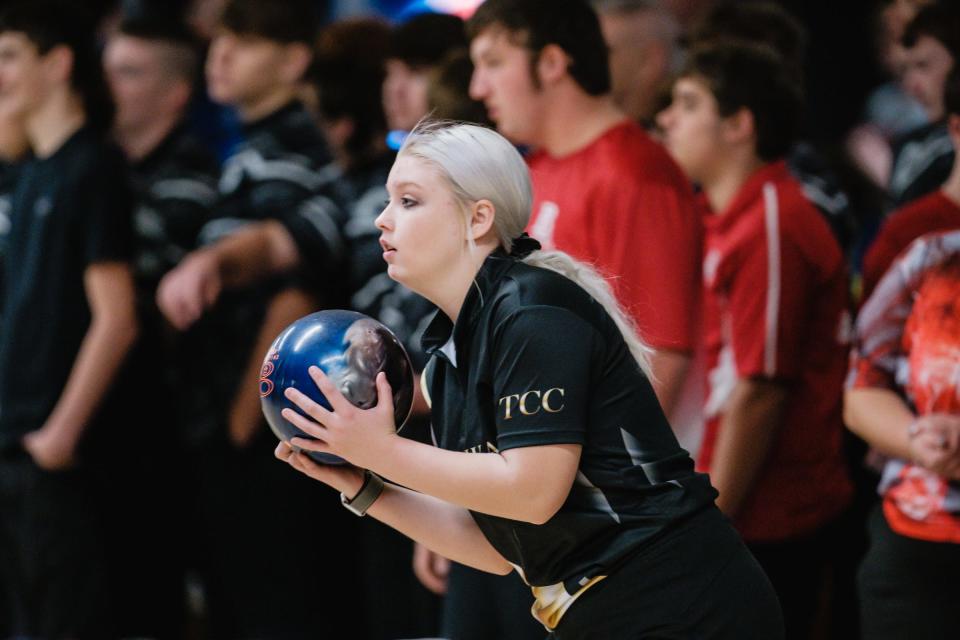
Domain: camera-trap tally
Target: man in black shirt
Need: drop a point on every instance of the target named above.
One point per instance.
(348, 73)
(69, 319)
(249, 512)
(923, 158)
(151, 68)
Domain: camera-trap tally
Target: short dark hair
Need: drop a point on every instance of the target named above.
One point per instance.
(758, 22)
(742, 75)
(425, 39)
(52, 23)
(940, 21)
(285, 21)
(349, 71)
(570, 24)
(951, 92)
(449, 91)
(185, 62)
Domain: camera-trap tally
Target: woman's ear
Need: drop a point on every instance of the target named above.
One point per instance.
(482, 215)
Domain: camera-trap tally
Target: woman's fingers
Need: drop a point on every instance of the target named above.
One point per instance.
(309, 406)
(306, 425)
(330, 391)
(306, 444)
(384, 393)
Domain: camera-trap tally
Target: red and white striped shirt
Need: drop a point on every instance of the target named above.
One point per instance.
(776, 307)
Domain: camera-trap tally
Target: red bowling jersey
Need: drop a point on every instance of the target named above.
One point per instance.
(934, 212)
(623, 205)
(776, 307)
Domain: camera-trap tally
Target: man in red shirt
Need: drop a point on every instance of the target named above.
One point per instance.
(775, 309)
(938, 211)
(604, 191)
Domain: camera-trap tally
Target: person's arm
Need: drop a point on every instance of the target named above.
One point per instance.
(745, 437)
(246, 416)
(881, 418)
(113, 329)
(251, 254)
(442, 527)
(529, 484)
(669, 373)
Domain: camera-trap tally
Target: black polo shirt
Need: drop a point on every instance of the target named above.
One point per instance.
(70, 210)
(279, 172)
(534, 360)
(175, 188)
(922, 161)
(8, 183)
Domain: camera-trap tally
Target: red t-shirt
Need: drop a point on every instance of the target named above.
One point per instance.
(931, 213)
(623, 205)
(775, 307)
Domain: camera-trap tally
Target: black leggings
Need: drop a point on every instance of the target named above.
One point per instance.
(908, 588)
(699, 582)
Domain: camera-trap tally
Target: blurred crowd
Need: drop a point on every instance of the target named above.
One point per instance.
(181, 180)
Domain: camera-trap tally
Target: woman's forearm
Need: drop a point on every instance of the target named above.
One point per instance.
(527, 484)
(444, 528)
(881, 418)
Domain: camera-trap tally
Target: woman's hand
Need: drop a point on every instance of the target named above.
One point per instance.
(345, 479)
(362, 437)
(935, 444)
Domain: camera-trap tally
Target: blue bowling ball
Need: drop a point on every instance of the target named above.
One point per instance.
(351, 349)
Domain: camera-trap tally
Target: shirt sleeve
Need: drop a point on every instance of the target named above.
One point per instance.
(542, 359)
(316, 226)
(107, 209)
(769, 297)
(650, 243)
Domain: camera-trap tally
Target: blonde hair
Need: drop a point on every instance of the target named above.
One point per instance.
(478, 163)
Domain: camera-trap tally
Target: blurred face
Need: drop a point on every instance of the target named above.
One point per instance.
(502, 81)
(927, 65)
(636, 66)
(405, 95)
(242, 70)
(422, 227)
(692, 129)
(23, 83)
(138, 80)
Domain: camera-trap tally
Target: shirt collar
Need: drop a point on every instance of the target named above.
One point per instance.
(752, 189)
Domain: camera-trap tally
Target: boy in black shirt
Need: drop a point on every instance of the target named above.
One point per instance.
(248, 511)
(69, 319)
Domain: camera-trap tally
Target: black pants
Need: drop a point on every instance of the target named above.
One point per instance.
(699, 582)
(908, 588)
(814, 578)
(52, 555)
(397, 605)
(279, 555)
(483, 606)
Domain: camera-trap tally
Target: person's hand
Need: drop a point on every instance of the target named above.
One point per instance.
(362, 437)
(935, 443)
(431, 569)
(190, 289)
(50, 450)
(344, 478)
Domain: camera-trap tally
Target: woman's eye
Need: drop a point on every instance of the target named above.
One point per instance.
(406, 203)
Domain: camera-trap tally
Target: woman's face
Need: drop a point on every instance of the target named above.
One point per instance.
(422, 227)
